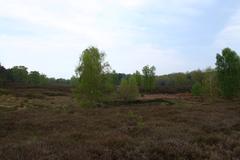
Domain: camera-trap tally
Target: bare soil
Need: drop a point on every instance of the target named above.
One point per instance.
(48, 124)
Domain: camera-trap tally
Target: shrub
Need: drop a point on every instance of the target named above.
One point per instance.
(197, 89)
(128, 89)
(210, 85)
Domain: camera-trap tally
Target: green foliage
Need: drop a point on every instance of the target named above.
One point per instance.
(197, 89)
(57, 82)
(114, 77)
(210, 85)
(149, 78)
(138, 78)
(197, 76)
(124, 89)
(228, 73)
(44, 80)
(93, 82)
(3, 76)
(133, 88)
(180, 79)
(206, 84)
(128, 89)
(19, 74)
(108, 83)
(74, 81)
(174, 83)
(34, 78)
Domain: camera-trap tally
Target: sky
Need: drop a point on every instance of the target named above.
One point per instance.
(174, 35)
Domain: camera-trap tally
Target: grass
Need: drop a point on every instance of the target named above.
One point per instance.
(53, 127)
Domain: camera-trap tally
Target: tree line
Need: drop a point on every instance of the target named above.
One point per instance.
(222, 81)
(95, 82)
(19, 75)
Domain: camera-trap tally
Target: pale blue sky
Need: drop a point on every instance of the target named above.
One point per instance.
(173, 35)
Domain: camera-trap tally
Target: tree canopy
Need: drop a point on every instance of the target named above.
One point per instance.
(19, 75)
(92, 83)
(228, 72)
(149, 77)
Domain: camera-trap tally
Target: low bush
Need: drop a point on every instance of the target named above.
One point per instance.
(197, 89)
(128, 89)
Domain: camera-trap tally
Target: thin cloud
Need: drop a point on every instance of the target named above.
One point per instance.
(229, 36)
(121, 28)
